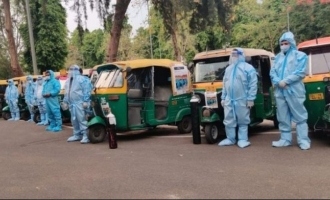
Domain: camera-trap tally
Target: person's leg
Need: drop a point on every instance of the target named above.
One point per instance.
(243, 121)
(284, 119)
(299, 116)
(76, 136)
(11, 108)
(31, 112)
(16, 110)
(51, 117)
(42, 115)
(230, 125)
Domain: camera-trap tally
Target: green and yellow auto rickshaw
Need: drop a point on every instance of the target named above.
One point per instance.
(3, 86)
(20, 83)
(209, 68)
(317, 83)
(141, 94)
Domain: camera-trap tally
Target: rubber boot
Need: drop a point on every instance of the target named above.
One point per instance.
(231, 134)
(17, 116)
(12, 117)
(243, 136)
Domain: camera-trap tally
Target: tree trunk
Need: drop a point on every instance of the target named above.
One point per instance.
(120, 11)
(16, 69)
(175, 46)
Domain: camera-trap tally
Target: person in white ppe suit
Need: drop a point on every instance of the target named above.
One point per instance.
(29, 96)
(238, 95)
(287, 77)
(11, 97)
(77, 98)
(41, 102)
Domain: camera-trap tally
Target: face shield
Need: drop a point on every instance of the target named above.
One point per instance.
(236, 56)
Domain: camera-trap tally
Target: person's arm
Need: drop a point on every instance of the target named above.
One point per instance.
(86, 89)
(252, 83)
(299, 73)
(273, 75)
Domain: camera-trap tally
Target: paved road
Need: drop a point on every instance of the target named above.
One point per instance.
(38, 164)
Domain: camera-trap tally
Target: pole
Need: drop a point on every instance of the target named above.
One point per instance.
(33, 51)
(196, 133)
(151, 50)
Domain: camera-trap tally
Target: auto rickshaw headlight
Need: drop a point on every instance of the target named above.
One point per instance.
(206, 112)
(326, 79)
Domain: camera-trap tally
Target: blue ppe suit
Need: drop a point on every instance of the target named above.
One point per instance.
(239, 87)
(11, 97)
(40, 101)
(77, 97)
(29, 96)
(51, 90)
(290, 67)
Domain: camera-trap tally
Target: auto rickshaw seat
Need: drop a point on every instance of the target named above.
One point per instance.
(162, 94)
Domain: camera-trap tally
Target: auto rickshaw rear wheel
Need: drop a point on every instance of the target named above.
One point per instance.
(37, 118)
(96, 133)
(6, 115)
(185, 125)
(212, 133)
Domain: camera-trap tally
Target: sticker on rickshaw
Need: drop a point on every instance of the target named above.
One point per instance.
(181, 79)
(316, 96)
(211, 99)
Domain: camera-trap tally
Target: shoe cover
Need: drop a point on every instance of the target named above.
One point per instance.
(281, 143)
(11, 119)
(16, 119)
(243, 143)
(74, 138)
(49, 128)
(45, 123)
(226, 142)
(40, 123)
(30, 120)
(56, 129)
(85, 140)
(304, 146)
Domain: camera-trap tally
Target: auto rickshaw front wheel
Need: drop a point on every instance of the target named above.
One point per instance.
(212, 133)
(96, 133)
(6, 115)
(185, 125)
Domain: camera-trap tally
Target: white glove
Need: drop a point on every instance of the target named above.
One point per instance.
(7, 102)
(85, 105)
(64, 106)
(249, 104)
(282, 84)
(222, 103)
(16, 101)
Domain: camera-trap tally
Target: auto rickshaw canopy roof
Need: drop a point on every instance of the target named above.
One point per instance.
(314, 43)
(23, 78)
(248, 52)
(141, 63)
(3, 82)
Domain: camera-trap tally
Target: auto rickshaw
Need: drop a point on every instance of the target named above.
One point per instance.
(209, 68)
(3, 86)
(141, 94)
(317, 83)
(23, 108)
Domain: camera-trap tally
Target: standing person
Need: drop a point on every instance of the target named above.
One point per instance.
(238, 95)
(77, 98)
(29, 95)
(287, 77)
(11, 97)
(50, 92)
(41, 102)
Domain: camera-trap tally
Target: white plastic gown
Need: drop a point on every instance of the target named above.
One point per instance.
(239, 87)
(11, 97)
(29, 95)
(290, 67)
(77, 93)
(40, 101)
(52, 87)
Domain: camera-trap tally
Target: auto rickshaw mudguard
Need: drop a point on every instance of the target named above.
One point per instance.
(213, 118)
(96, 120)
(5, 109)
(183, 112)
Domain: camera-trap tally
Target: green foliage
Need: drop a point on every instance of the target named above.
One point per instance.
(91, 50)
(49, 35)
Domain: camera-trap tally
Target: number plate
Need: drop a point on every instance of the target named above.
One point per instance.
(316, 96)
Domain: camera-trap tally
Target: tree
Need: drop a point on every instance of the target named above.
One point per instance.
(50, 35)
(15, 67)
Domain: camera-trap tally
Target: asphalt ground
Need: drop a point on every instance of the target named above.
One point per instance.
(159, 164)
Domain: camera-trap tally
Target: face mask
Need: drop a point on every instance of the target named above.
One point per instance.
(29, 81)
(47, 77)
(285, 48)
(11, 83)
(234, 59)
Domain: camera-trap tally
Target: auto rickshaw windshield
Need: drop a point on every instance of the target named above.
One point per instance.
(109, 79)
(212, 70)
